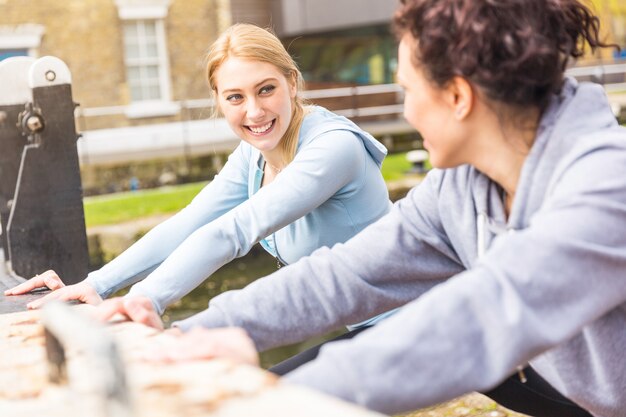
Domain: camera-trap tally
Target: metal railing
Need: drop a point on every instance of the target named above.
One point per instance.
(378, 108)
(596, 73)
(311, 95)
(600, 73)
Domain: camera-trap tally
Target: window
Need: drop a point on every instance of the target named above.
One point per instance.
(146, 58)
(8, 53)
(355, 56)
(20, 40)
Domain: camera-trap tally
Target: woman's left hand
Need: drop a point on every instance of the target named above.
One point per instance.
(137, 309)
(200, 343)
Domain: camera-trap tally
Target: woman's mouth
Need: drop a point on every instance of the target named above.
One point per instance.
(262, 129)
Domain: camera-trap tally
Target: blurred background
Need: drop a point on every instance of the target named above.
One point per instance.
(137, 68)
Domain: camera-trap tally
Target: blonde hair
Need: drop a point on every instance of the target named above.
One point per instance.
(252, 42)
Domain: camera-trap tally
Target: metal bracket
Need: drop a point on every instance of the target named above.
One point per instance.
(31, 123)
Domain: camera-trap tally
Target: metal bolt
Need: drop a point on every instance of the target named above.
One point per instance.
(3, 116)
(34, 123)
(50, 75)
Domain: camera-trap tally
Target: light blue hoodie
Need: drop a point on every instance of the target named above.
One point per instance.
(330, 191)
(550, 288)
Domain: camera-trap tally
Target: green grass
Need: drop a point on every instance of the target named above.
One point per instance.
(395, 166)
(128, 206)
(123, 207)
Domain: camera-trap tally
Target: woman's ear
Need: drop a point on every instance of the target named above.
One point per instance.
(461, 97)
(293, 85)
(217, 108)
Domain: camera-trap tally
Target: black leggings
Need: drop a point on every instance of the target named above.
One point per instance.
(535, 397)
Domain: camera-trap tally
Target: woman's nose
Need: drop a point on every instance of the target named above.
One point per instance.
(255, 110)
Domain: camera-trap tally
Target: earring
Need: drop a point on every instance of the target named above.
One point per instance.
(459, 111)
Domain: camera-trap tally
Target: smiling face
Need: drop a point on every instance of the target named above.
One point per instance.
(431, 111)
(256, 100)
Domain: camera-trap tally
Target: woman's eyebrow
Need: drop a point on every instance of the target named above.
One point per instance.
(255, 86)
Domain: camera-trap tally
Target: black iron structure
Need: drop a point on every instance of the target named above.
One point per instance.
(41, 208)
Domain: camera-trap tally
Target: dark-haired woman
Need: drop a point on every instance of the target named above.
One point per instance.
(511, 256)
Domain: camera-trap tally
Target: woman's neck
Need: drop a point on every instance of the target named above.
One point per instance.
(504, 151)
(274, 159)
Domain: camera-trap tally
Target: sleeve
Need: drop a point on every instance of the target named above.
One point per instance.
(227, 190)
(389, 263)
(533, 290)
(318, 171)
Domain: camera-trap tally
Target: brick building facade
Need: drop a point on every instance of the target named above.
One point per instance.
(112, 47)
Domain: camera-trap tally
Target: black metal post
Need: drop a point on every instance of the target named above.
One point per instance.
(46, 224)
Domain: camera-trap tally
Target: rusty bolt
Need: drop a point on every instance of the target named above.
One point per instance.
(34, 123)
(50, 75)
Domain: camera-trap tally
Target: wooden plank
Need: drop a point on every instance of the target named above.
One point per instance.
(216, 388)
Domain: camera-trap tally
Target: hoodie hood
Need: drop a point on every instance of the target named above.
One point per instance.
(319, 120)
(579, 110)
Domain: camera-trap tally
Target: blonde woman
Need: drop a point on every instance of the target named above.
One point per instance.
(301, 178)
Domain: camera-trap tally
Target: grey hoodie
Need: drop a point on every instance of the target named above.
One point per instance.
(549, 289)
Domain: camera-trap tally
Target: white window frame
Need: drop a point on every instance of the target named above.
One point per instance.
(26, 36)
(154, 11)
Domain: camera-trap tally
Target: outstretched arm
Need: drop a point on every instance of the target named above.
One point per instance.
(317, 173)
(389, 263)
(536, 289)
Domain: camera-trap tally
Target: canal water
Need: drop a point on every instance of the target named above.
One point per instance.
(234, 275)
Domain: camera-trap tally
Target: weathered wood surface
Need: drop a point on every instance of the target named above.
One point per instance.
(216, 388)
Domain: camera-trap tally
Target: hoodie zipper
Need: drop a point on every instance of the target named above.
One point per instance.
(484, 226)
(279, 262)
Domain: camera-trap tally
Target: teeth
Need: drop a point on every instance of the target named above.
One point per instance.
(261, 129)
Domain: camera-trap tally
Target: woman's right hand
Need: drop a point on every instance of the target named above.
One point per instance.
(82, 291)
(48, 279)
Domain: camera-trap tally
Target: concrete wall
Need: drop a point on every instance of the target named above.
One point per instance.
(258, 12)
(306, 16)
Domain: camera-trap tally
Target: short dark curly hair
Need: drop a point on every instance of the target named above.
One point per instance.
(515, 51)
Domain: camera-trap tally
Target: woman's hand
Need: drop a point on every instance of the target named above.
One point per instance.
(82, 291)
(137, 309)
(200, 343)
(230, 342)
(48, 279)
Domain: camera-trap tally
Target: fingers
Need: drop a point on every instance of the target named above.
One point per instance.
(82, 292)
(109, 308)
(85, 293)
(141, 310)
(201, 344)
(52, 280)
(48, 279)
(55, 295)
(23, 288)
(234, 343)
(137, 309)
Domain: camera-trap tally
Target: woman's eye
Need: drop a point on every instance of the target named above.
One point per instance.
(234, 97)
(267, 89)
